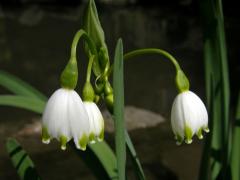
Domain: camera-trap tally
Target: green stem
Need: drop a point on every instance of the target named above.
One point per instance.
(78, 35)
(144, 51)
(152, 51)
(89, 68)
(182, 82)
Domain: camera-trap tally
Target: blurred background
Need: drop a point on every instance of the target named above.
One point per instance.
(35, 39)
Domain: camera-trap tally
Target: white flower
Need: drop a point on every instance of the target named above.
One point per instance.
(65, 118)
(96, 122)
(188, 117)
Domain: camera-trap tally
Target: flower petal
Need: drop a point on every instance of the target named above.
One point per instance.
(78, 119)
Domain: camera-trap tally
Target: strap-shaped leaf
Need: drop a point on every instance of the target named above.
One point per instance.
(24, 102)
(235, 159)
(118, 111)
(19, 87)
(135, 160)
(21, 161)
(121, 132)
(100, 159)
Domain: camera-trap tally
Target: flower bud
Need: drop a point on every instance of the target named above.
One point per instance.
(109, 102)
(107, 88)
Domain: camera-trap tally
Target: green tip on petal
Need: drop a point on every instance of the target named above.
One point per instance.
(83, 142)
(188, 141)
(101, 135)
(199, 134)
(179, 139)
(206, 129)
(63, 141)
(92, 138)
(188, 134)
(45, 135)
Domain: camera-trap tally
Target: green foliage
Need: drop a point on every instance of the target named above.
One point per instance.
(118, 110)
(24, 102)
(135, 160)
(217, 90)
(21, 161)
(19, 87)
(235, 159)
(100, 159)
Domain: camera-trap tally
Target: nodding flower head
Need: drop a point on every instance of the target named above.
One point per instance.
(96, 122)
(64, 118)
(188, 117)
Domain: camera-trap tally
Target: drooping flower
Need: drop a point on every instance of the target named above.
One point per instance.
(65, 118)
(96, 122)
(188, 117)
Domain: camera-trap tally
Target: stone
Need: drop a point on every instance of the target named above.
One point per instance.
(135, 118)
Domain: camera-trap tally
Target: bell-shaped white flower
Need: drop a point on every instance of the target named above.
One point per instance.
(65, 118)
(188, 117)
(96, 122)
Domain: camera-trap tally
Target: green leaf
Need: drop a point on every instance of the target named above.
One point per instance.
(216, 68)
(118, 111)
(238, 108)
(136, 162)
(100, 159)
(235, 159)
(92, 25)
(19, 87)
(28, 103)
(21, 161)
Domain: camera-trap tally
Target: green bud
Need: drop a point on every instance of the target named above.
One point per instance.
(108, 88)
(109, 102)
(88, 92)
(182, 81)
(69, 76)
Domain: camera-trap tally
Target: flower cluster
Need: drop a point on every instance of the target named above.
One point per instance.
(66, 117)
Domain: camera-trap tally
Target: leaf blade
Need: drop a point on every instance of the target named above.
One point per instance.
(19, 87)
(21, 160)
(118, 111)
(28, 103)
(136, 162)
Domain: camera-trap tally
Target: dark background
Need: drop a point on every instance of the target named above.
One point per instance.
(35, 39)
